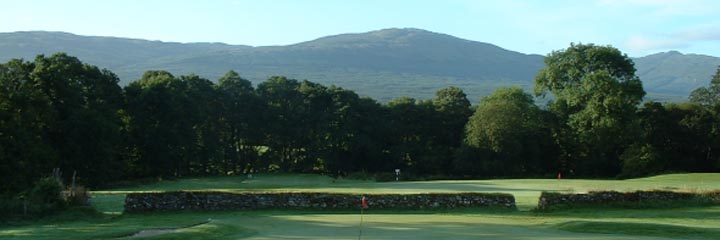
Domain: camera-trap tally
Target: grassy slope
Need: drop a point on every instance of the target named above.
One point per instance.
(683, 223)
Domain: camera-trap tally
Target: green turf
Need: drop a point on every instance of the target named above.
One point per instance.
(526, 191)
(677, 223)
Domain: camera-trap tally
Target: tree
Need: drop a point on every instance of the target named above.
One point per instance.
(161, 130)
(508, 135)
(655, 148)
(407, 137)
(284, 129)
(453, 111)
(242, 121)
(596, 95)
(24, 116)
(59, 112)
(710, 95)
(203, 108)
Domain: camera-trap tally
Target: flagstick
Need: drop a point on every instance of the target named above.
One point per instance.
(361, 222)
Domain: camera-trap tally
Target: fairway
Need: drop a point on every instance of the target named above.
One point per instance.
(679, 223)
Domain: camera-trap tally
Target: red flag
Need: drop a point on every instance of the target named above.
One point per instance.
(364, 203)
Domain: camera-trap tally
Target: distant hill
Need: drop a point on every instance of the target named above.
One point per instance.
(382, 64)
(674, 73)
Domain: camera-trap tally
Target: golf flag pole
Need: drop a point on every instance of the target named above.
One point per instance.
(363, 206)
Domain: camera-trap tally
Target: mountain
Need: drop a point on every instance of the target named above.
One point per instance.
(674, 73)
(382, 64)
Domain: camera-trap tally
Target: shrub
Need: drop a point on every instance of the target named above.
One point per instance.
(76, 196)
(46, 195)
(641, 160)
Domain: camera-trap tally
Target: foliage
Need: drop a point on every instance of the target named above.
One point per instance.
(57, 112)
(596, 93)
(710, 95)
(46, 195)
(510, 135)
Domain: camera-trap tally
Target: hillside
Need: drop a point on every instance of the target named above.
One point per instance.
(381, 64)
(675, 73)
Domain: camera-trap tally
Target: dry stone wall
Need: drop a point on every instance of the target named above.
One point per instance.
(553, 200)
(188, 200)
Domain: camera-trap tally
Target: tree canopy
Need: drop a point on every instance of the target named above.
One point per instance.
(596, 95)
(57, 112)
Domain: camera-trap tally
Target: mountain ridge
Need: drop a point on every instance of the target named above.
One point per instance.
(382, 64)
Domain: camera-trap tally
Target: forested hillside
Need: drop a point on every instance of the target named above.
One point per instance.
(380, 64)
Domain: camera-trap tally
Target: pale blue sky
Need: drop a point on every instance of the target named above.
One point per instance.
(637, 27)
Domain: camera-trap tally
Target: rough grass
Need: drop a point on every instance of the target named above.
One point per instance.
(679, 223)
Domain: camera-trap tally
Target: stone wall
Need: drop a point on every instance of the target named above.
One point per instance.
(188, 200)
(552, 200)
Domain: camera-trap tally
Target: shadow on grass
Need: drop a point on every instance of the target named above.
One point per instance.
(71, 214)
(667, 212)
(640, 229)
(412, 227)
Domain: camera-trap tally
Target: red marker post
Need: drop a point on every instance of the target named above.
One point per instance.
(363, 206)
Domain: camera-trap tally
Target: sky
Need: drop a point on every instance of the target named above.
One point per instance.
(636, 27)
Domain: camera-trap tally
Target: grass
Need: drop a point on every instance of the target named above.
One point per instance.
(681, 223)
(526, 191)
(638, 229)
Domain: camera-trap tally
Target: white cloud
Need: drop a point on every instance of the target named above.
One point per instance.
(675, 40)
(666, 7)
(642, 43)
(702, 33)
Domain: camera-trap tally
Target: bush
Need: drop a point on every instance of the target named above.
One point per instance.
(76, 196)
(10, 205)
(641, 160)
(46, 196)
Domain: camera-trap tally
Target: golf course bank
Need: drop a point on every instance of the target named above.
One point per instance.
(201, 200)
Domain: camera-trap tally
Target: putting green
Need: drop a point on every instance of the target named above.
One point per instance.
(677, 223)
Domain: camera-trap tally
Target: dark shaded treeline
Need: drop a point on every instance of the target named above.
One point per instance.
(57, 112)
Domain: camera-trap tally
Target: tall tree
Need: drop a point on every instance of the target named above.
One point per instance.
(203, 109)
(284, 129)
(507, 130)
(161, 131)
(709, 97)
(596, 95)
(25, 114)
(242, 121)
(454, 109)
(413, 130)
(68, 111)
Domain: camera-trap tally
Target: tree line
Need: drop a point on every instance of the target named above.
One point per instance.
(57, 112)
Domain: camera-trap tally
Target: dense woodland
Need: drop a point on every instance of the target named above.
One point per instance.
(57, 112)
